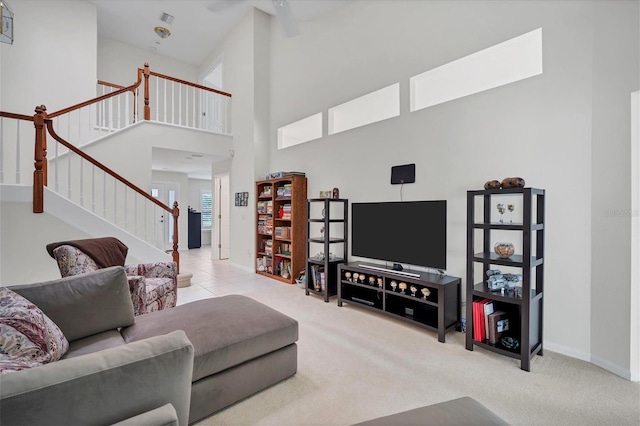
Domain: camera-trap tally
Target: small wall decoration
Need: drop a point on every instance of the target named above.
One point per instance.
(242, 198)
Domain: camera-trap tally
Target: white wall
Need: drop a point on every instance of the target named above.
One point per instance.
(45, 33)
(243, 78)
(539, 129)
(615, 76)
(118, 63)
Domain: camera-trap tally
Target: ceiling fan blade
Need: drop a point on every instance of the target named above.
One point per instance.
(287, 21)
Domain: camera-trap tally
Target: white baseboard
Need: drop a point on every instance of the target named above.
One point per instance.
(592, 359)
(244, 268)
(584, 356)
(615, 369)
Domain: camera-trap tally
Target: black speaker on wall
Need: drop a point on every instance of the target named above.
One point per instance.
(403, 174)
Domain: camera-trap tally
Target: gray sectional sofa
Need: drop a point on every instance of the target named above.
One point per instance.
(176, 365)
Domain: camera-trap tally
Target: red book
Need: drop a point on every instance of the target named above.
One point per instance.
(479, 332)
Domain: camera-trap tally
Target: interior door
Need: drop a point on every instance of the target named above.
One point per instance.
(167, 193)
(224, 217)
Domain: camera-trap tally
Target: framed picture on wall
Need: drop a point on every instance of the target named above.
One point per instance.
(242, 198)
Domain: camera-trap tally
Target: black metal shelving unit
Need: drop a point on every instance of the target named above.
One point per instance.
(328, 265)
(523, 307)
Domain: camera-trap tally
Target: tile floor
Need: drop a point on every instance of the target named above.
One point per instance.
(213, 278)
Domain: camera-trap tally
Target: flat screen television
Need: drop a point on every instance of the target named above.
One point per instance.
(404, 232)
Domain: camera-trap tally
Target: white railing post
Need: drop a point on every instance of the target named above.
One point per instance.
(18, 152)
(1, 149)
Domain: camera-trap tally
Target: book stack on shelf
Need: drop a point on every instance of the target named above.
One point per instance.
(265, 207)
(283, 232)
(286, 212)
(265, 224)
(283, 268)
(285, 248)
(284, 191)
(266, 191)
(317, 277)
(489, 323)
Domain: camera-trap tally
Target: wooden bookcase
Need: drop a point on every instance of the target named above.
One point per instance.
(523, 306)
(281, 231)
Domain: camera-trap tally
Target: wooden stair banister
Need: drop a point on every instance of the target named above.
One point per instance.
(43, 124)
(175, 211)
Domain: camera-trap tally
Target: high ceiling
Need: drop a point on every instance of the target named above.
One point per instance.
(198, 25)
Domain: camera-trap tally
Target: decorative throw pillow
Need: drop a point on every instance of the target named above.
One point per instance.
(28, 338)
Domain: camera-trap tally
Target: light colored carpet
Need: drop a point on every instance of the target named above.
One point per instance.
(355, 365)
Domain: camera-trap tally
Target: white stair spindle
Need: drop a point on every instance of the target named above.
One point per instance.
(69, 174)
(81, 181)
(186, 107)
(173, 103)
(18, 152)
(157, 100)
(93, 188)
(115, 201)
(126, 215)
(194, 108)
(119, 112)
(110, 115)
(1, 150)
(104, 195)
(180, 104)
(165, 100)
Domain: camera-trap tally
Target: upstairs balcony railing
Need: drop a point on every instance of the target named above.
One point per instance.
(66, 169)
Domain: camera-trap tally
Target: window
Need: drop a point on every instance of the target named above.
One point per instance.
(206, 207)
(504, 63)
(301, 131)
(367, 109)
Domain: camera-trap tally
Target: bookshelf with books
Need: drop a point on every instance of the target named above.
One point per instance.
(327, 244)
(281, 211)
(505, 291)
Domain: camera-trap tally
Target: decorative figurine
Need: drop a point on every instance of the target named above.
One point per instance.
(355, 277)
(504, 250)
(425, 293)
(492, 184)
(372, 280)
(362, 278)
(380, 282)
(402, 286)
(336, 193)
(394, 285)
(413, 289)
(512, 182)
(347, 275)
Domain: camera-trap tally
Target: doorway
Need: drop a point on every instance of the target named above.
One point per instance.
(220, 240)
(167, 193)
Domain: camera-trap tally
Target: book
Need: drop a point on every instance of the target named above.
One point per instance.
(479, 331)
(498, 324)
(488, 310)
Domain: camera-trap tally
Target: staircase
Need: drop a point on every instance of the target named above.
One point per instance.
(96, 157)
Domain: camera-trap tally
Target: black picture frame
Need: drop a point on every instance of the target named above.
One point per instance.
(242, 199)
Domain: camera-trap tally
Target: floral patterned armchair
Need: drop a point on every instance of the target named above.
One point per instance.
(153, 286)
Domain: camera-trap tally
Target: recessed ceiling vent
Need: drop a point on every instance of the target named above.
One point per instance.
(166, 18)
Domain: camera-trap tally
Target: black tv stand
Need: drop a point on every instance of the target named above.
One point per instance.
(391, 292)
(397, 267)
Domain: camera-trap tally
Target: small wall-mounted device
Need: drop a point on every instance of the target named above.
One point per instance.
(403, 174)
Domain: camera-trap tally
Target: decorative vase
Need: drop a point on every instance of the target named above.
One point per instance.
(504, 249)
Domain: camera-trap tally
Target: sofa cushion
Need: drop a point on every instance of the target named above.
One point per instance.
(85, 304)
(225, 331)
(95, 343)
(28, 338)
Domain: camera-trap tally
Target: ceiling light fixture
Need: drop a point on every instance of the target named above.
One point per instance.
(6, 30)
(162, 32)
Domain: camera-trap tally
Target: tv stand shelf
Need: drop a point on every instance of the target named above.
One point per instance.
(438, 311)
